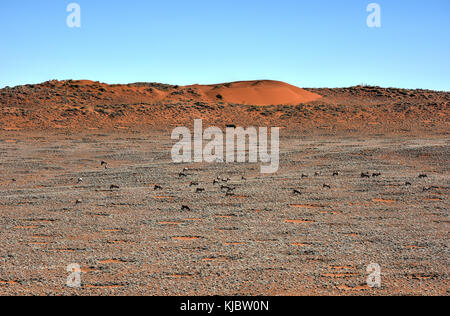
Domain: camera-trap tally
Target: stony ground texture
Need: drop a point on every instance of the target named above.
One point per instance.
(262, 240)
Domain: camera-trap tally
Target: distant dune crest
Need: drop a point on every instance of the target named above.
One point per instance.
(261, 92)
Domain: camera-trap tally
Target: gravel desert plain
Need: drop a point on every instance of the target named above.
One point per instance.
(87, 178)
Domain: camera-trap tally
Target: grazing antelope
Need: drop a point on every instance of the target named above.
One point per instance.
(305, 176)
(182, 175)
(114, 186)
(376, 175)
(185, 208)
(225, 187)
(297, 192)
(327, 186)
(200, 190)
(423, 176)
(365, 175)
(193, 184)
(335, 174)
(157, 187)
(408, 184)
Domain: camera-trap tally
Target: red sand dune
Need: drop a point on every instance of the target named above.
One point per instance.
(261, 92)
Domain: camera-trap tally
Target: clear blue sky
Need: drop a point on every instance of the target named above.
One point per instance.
(306, 43)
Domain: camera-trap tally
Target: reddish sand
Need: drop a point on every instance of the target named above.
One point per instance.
(263, 92)
(265, 240)
(88, 105)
